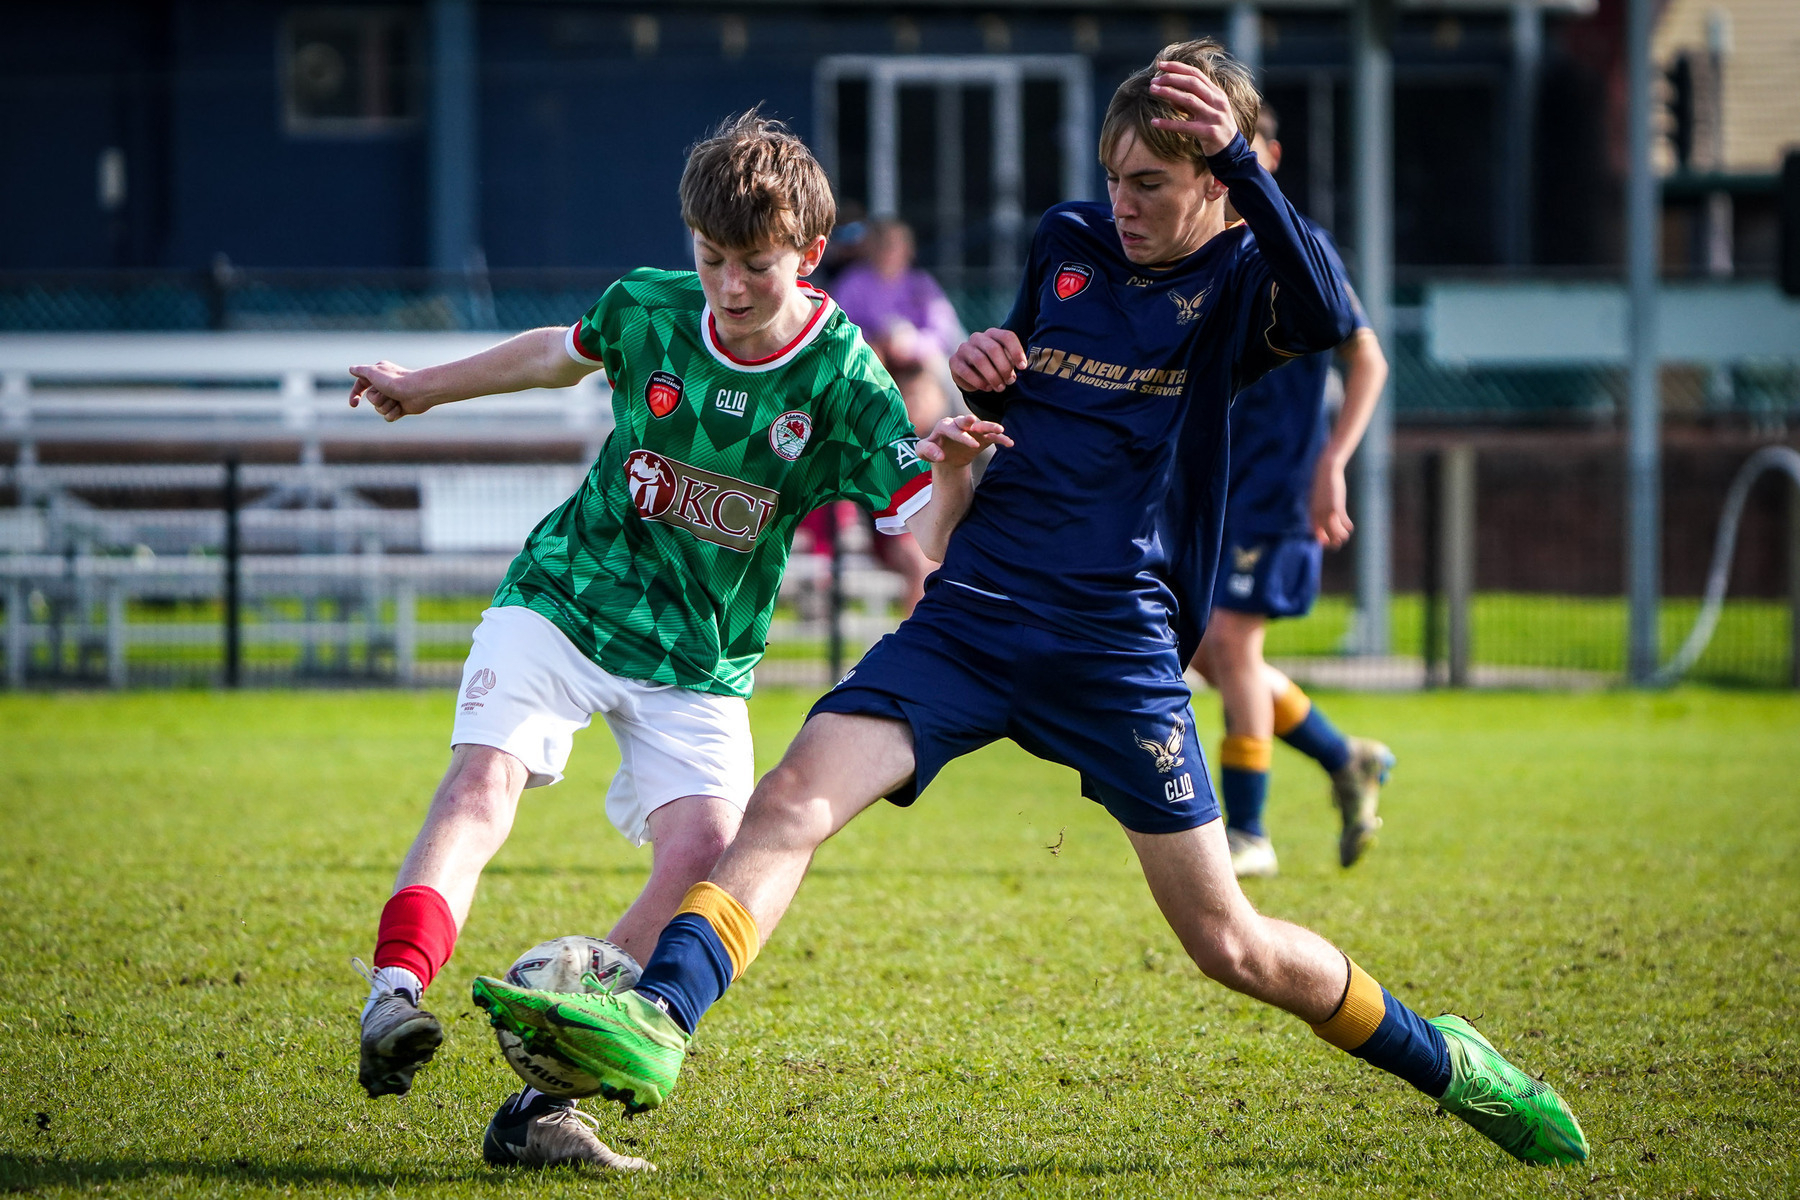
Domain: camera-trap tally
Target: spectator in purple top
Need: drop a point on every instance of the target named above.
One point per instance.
(911, 326)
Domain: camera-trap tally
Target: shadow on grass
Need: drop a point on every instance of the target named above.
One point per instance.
(23, 1173)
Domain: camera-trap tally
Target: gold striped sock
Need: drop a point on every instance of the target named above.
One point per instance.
(1291, 708)
(1242, 753)
(730, 920)
(1358, 1015)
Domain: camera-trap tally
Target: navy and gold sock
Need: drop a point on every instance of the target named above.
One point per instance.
(701, 951)
(1383, 1032)
(1300, 724)
(1244, 782)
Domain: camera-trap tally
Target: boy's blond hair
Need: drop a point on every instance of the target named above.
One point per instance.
(753, 183)
(1133, 107)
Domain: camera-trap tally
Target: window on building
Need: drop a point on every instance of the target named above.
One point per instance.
(350, 71)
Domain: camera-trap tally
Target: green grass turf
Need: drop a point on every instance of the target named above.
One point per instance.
(1607, 881)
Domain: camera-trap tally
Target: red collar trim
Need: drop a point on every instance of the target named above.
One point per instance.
(824, 303)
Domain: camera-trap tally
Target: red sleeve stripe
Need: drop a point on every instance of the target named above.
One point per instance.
(578, 352)
(912, 496)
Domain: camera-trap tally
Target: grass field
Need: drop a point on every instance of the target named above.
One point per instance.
(1608, 882)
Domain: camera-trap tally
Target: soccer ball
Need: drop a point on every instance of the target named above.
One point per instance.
(560, 965)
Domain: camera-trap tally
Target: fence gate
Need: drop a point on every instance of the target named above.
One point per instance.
(968, 150)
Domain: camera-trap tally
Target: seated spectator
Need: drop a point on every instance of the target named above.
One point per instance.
(912, 328)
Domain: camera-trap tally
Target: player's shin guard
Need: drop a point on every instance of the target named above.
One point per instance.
(710, 942)
(1300, 724)
(417, 933)
(1383, 1032)
(1244, 782)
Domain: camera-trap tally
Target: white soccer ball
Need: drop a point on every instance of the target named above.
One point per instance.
(560, 965)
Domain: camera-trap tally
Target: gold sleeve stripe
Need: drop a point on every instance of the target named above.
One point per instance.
(729, 919)
(1291, 708)
(1358, 1016)
(1242, 753)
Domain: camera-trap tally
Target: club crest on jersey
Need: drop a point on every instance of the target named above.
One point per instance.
(714, 508)
(1071, 277)
(1167, 754)
(663, 393)
(1188, 310)
(789, 433)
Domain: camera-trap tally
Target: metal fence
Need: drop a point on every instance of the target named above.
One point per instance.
(366, 551)
(1508, 565)
(277, 575)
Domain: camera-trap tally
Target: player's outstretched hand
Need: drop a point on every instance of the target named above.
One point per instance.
(988, 362)
(1330, 509)
(390, 390)
(956, 441)
(1209, 118)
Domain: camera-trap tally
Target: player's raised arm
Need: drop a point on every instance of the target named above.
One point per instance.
(1314, 311)
(952, 446)
(537, 358)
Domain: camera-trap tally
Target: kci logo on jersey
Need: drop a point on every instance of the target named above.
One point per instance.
(1071, 277)
(714, 508)
(663, 393)
(1186, 310)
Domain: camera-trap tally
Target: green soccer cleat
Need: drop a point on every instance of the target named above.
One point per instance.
(1356, 790)
(1524, 1117)
(627, 1043)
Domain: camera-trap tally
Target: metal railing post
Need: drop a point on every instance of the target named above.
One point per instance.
(406, 630)
(1793, 582)
(1457, 555)
(18, 633)
(115, 633)
(233, 565)
(1430, 566)
(834, 616)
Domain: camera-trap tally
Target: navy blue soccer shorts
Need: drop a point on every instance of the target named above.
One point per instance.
(963, 671)
(1270, 576)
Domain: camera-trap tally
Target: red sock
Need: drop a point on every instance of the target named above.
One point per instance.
(417, 932)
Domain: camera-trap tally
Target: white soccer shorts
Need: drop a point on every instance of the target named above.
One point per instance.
(527, 690)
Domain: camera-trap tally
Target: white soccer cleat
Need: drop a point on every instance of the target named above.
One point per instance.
(1356, 790)
(398, 1037)
(548, 1132)
(1251, 856)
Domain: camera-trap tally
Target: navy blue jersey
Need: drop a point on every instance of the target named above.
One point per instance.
(1106, 514)
(1278, 427)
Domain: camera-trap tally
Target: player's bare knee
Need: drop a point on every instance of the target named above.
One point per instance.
(691, 852)
(785, 810)
(1232, 956)
(474, 801)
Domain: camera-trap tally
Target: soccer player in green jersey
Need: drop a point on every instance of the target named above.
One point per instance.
(743, 399)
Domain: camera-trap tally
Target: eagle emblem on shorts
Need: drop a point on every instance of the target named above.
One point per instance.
(1187, 310)
(1167, 754)
(1245, 560)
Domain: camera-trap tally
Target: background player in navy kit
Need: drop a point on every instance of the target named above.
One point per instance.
(1287, 504)
(1070, 596)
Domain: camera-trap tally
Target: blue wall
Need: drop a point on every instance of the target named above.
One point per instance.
(581, 139)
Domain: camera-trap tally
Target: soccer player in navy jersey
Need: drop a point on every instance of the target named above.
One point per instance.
(1069, 597)
(1286, 505)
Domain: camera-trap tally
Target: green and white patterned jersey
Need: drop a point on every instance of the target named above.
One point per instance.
(664, 564)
